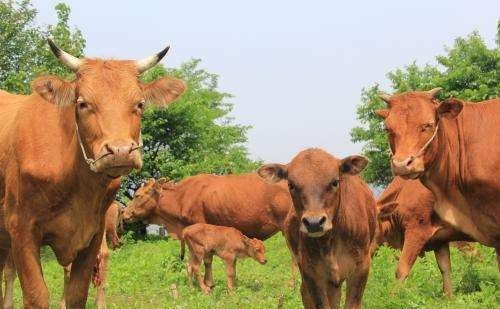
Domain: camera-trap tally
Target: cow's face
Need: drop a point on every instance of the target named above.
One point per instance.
(412, 124)
(109, 101)
(145, 200)
(256, 249)
(314, 180)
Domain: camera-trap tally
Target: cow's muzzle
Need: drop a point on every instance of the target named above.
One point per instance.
(117, 158)
(408, 168)
(315, 225)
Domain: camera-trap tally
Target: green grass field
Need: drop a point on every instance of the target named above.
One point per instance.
(142, 273)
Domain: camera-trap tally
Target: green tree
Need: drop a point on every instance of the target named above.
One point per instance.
(24, 52)
(469, 70)
(194, 135)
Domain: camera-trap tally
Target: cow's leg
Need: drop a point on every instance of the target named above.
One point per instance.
(102, 268)
(9, 277)
(334, 294)
(26, 256)
(356, 285)
(209, 278)
(413, 244)
(230, 272)
(5, 260)
(443, 260)
(313, 295)
(497, 251)
(196, 254)
(67, 271)
(77, 289)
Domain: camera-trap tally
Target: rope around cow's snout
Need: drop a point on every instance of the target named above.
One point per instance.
(91, 162)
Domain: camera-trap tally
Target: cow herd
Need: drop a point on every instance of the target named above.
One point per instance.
(64, 148)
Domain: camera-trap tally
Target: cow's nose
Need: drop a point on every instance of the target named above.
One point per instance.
(314, 224)
(402, 166)
(120, 149)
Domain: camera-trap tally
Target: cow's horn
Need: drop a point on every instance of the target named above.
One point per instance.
(385, 97)
(434, 92)
(68, 60)
(149, 62)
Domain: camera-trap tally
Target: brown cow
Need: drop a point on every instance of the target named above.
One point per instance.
(62, 152)
(100, 268)
(331, 227)
(246, 202)
(407, 221)
(454, 149)
(206, 240)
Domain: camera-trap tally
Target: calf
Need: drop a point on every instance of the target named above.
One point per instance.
(407, 221)
(331, 226)
(206, 240)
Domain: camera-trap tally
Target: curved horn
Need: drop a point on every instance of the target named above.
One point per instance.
(385, 97)
(149, 62)
(68, 60)
(434, 92)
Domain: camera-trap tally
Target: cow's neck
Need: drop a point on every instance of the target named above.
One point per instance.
(77, 172)
(445, 178)
(168, 212)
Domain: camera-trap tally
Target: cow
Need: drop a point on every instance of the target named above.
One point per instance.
(454, 149)
(331, 227)
(407, 221)
(245, 202)
(206, 240)
(63, 149)
(100, 269)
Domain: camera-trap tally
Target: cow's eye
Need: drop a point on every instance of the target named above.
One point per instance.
(426, 127)
(82, 105)
(141, 105)
(291, 186)
(334, 183)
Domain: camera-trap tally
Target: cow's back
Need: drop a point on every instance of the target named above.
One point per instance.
(245, 202)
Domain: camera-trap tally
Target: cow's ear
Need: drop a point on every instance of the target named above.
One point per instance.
(160, 183)
(273, 172)
(382, 113)
(386, 210)
(450, 108)
(163, 91)
(55, 90)
(353, 164)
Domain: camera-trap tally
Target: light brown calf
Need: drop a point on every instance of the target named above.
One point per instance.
(331, 227)
(206, 240)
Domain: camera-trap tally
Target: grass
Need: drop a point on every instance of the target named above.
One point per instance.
(142, 273)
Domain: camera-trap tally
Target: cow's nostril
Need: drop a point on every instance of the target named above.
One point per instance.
(110, 149)
(410, 161)
(306, 223)
(322, 220)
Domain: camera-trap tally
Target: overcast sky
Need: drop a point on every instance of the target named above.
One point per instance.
(296, 68)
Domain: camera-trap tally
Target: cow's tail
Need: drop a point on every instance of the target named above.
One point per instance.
(183, 248)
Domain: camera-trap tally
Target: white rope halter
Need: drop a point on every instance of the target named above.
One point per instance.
(422, 150)
(91, 162)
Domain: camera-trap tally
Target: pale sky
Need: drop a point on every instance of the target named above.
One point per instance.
(296, 68)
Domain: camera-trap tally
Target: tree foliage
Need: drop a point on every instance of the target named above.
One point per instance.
(24, 52)
(194, 135)
(468, 70)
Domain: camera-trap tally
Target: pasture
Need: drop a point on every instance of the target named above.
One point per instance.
(141, 274)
